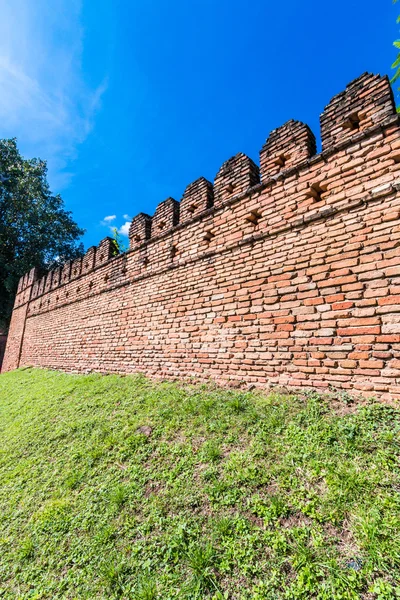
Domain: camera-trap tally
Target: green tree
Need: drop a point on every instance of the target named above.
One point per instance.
(35, 229)
(396, 64)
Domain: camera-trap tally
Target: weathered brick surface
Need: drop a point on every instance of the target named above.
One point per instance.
(236, 176)
(289, 145)
(198, 196)
(366, 101)
(292, 281)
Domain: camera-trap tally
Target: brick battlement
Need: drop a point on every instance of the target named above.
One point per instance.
(286, 274)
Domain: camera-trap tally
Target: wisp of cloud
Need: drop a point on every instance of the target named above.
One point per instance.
(45, 101)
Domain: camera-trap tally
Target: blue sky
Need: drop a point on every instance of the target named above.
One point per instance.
(129, 101)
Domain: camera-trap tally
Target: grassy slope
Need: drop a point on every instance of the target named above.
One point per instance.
(232, 495)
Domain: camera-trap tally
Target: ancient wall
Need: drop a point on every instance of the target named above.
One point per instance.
(286, 274)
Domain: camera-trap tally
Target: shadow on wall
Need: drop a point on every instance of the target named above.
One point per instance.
(3, 340)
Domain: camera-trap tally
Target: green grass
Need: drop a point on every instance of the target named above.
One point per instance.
(119, 487)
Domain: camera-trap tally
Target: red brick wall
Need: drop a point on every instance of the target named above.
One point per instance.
(289, 277)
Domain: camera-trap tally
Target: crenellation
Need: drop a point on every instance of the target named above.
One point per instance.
(56, 277)
(236, 176)
(198, 197)
(42, 285)
(76, 268)
(286, 147)
(25, 281)
(33, 276)
(139, 230)
(20, 284)
(88, 261)
(106, 250)
(165, 218)
(365, 102)
(48, 282)
(66, 272)
(292, 281)
(35, 289)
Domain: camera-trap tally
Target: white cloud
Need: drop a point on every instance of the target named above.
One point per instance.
(124, 229)
(45, 101)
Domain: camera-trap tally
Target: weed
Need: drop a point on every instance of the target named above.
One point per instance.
(238, 403)
(211, 451)
(113, 574)
(201, 561)
(118, 496)
(27, 549)
(73, 480)
(146, 589)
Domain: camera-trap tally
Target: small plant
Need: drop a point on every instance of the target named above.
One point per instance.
(210, 474)
(201, 561)
(224, 526)
(27, 549)
(119, 245)
(211, 452)
(113, 574)
(345, 397)
(73, 480)
(270, 509)
(146, 589)
(105, 535)
(383, 590)
(238, 403)
(118, 496)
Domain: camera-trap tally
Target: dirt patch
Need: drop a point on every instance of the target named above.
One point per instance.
(145, 430)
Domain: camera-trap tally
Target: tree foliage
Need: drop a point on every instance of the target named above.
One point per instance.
(35, 229)
(396, 64)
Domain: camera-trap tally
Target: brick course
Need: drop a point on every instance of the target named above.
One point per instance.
(292, 281)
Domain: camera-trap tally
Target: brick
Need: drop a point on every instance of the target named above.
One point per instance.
(389, 300)
(348, 364)
(359, 322)
(389, 338)
(333, 281)
(342, 305)
(371, 364)
(391, 271)
(359, 330)
(390, 328)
